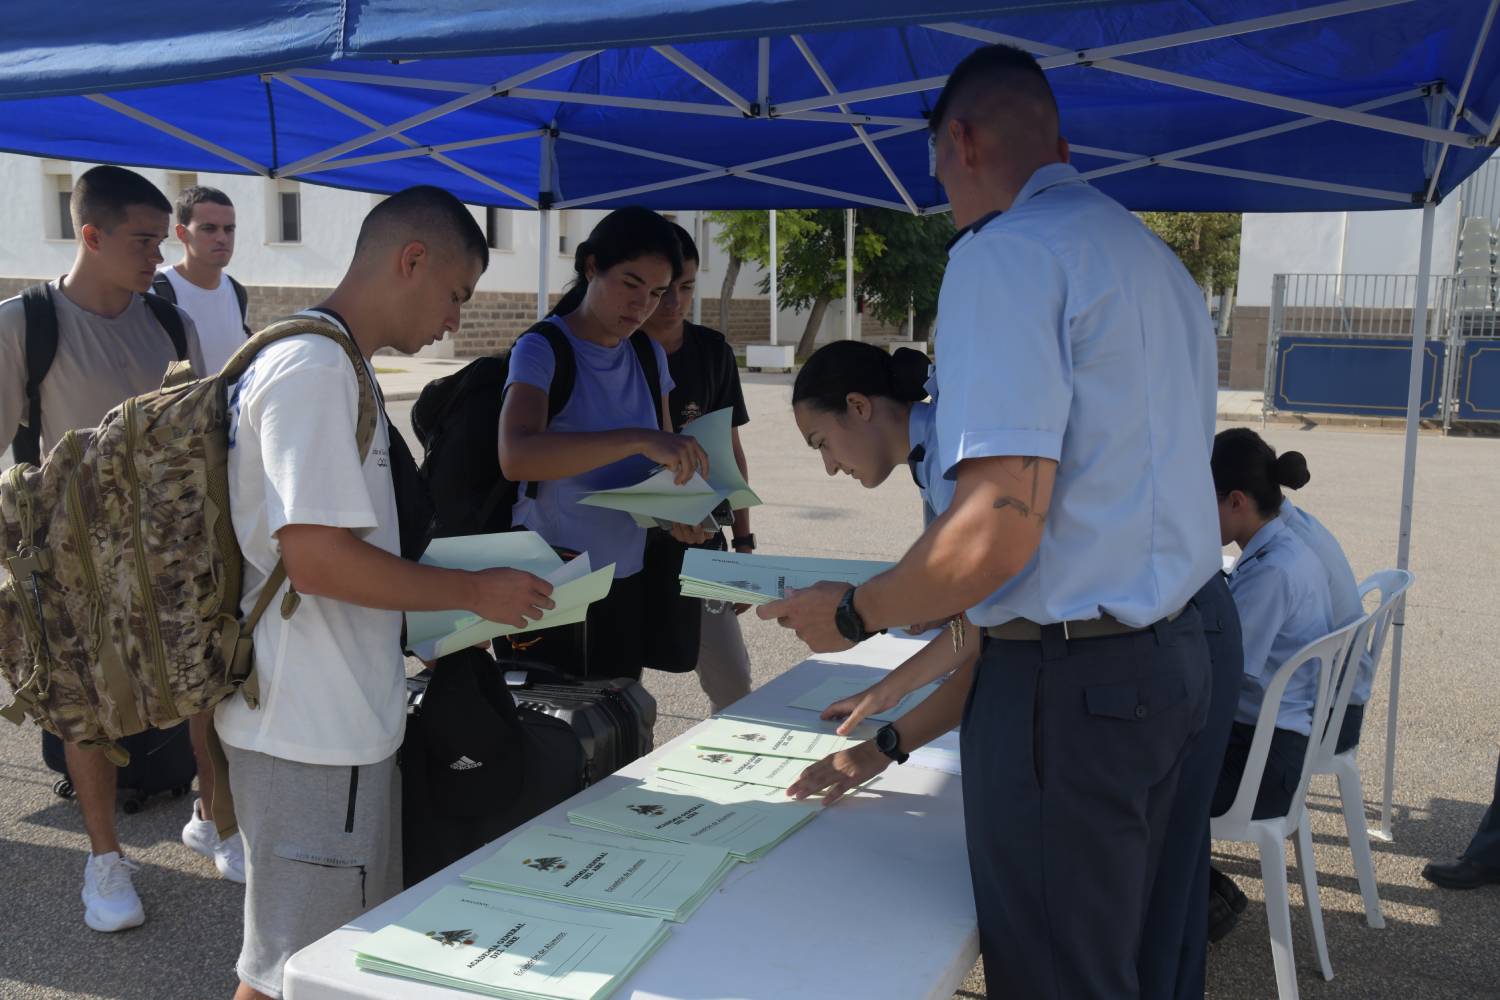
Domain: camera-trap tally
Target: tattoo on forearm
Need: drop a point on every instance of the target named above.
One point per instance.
(1026, 508)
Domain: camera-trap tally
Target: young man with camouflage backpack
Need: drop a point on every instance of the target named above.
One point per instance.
(312, 769)
(111, 343)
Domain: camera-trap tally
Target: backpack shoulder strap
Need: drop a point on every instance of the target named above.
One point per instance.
(243, 297)
(171, 320)
(41, 349)
(646, 354)
(162, 285)
(564, 366)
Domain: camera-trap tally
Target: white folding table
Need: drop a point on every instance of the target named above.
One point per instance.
(871, 899)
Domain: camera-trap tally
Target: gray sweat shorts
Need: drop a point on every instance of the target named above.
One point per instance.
(322, 846)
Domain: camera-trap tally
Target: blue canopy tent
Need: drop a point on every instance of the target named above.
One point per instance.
(1223, 105)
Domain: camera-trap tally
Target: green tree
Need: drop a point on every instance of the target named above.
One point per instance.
(810, 261)
(909, 271)
(1207, 243)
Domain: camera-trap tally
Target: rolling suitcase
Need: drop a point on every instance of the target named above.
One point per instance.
(161, 760)
(614, 720)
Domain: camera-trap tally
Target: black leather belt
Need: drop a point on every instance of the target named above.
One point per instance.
(1022, 630)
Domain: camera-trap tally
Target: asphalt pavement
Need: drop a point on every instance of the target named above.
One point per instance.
(1436, 944)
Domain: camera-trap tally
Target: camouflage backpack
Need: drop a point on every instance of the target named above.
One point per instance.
(121, 606)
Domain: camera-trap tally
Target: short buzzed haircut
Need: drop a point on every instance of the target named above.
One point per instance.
(197, 195)
(103, 195)
(424, 213)
(991, 71)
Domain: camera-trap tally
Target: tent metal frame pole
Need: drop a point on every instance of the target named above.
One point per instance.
(473, 96)
(178, 133)
(1243, 138)
(421, 150)
(1477, 123)
(703, 76)
(1463, 94)
(848, 274)
(414, 148)
(1408, 487)
(775, 303)
(859, 130)
(1246, 95)
(763, 75)
(746, 171)
(544, 242)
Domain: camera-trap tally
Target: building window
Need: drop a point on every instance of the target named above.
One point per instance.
(700, 238)
(57, 201)
(497, 228)
(176, 184)
(565, 241)
(284, 212)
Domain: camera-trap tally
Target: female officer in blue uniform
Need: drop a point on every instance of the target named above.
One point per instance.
(1281, 591)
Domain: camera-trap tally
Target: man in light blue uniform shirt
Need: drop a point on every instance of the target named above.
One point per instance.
(1347, 607)
(1077, 371)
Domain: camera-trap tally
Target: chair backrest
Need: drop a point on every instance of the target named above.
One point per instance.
(1392, 585)
(1330, 652)
(1345, 680)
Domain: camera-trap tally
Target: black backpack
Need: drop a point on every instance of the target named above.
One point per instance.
(457, 419)
(162, 286)
(41, 350)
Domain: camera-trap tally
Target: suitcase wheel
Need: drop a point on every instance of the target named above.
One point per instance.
(132, 806)
(62, 788)
(179, 792)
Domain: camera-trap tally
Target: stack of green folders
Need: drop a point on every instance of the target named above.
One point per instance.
(501, 945)
(746, 829)
(752, 579)
(611, 871)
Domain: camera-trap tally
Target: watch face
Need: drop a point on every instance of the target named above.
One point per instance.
(886, 739)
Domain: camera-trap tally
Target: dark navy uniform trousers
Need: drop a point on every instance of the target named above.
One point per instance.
(1072, 751)
(1485, 847)
(1175, 945)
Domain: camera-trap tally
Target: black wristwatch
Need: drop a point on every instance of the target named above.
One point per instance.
(888, 742)
(850, 625)
(743, 542)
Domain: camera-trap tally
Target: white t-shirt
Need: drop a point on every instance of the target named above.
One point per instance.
(332, 677)
(221, 329)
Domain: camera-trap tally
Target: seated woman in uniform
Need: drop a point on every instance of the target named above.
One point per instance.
(862, 409)
(1281, 592)
(608, 434)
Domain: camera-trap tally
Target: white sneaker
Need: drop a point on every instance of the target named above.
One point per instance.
(229, 858)
(109, 899)
(202, 836)
(199, 833)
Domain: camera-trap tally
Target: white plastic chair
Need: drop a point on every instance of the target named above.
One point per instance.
(1370, 636)
(1270, 835)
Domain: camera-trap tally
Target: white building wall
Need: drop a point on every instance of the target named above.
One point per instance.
(1339, 243)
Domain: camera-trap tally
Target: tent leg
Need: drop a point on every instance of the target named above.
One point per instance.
(544, 244)
(848, 274)
(775, 290)
(1408, 485)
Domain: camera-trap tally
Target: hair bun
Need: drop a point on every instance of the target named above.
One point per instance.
(1291, 470)
(909, 369)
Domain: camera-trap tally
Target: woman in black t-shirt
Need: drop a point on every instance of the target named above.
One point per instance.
(707, 378)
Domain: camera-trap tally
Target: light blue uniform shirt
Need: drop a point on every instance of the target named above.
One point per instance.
(610, 393)
(1342, 587)
(1068, 331)
(1281, 593)
(925, 463)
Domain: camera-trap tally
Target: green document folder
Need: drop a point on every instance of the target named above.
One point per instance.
(505, 946)
(575, 585)
(610, 871)
(659, 499)
(748, 830)
(755, 579)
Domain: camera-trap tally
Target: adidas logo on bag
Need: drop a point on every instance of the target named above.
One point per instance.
(464, 764)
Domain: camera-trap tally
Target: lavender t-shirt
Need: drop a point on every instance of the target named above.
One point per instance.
(610, 393)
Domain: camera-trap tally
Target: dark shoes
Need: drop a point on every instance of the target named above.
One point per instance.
(1225, 904)
(1461, 874)
(1221, 919)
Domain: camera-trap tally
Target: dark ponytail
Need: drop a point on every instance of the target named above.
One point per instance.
(1243, 461)
(835, 370)
(622, 235)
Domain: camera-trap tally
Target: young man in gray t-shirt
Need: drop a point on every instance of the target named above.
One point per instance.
(110, 347)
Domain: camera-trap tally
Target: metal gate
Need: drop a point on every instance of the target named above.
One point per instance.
(1341, 343)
